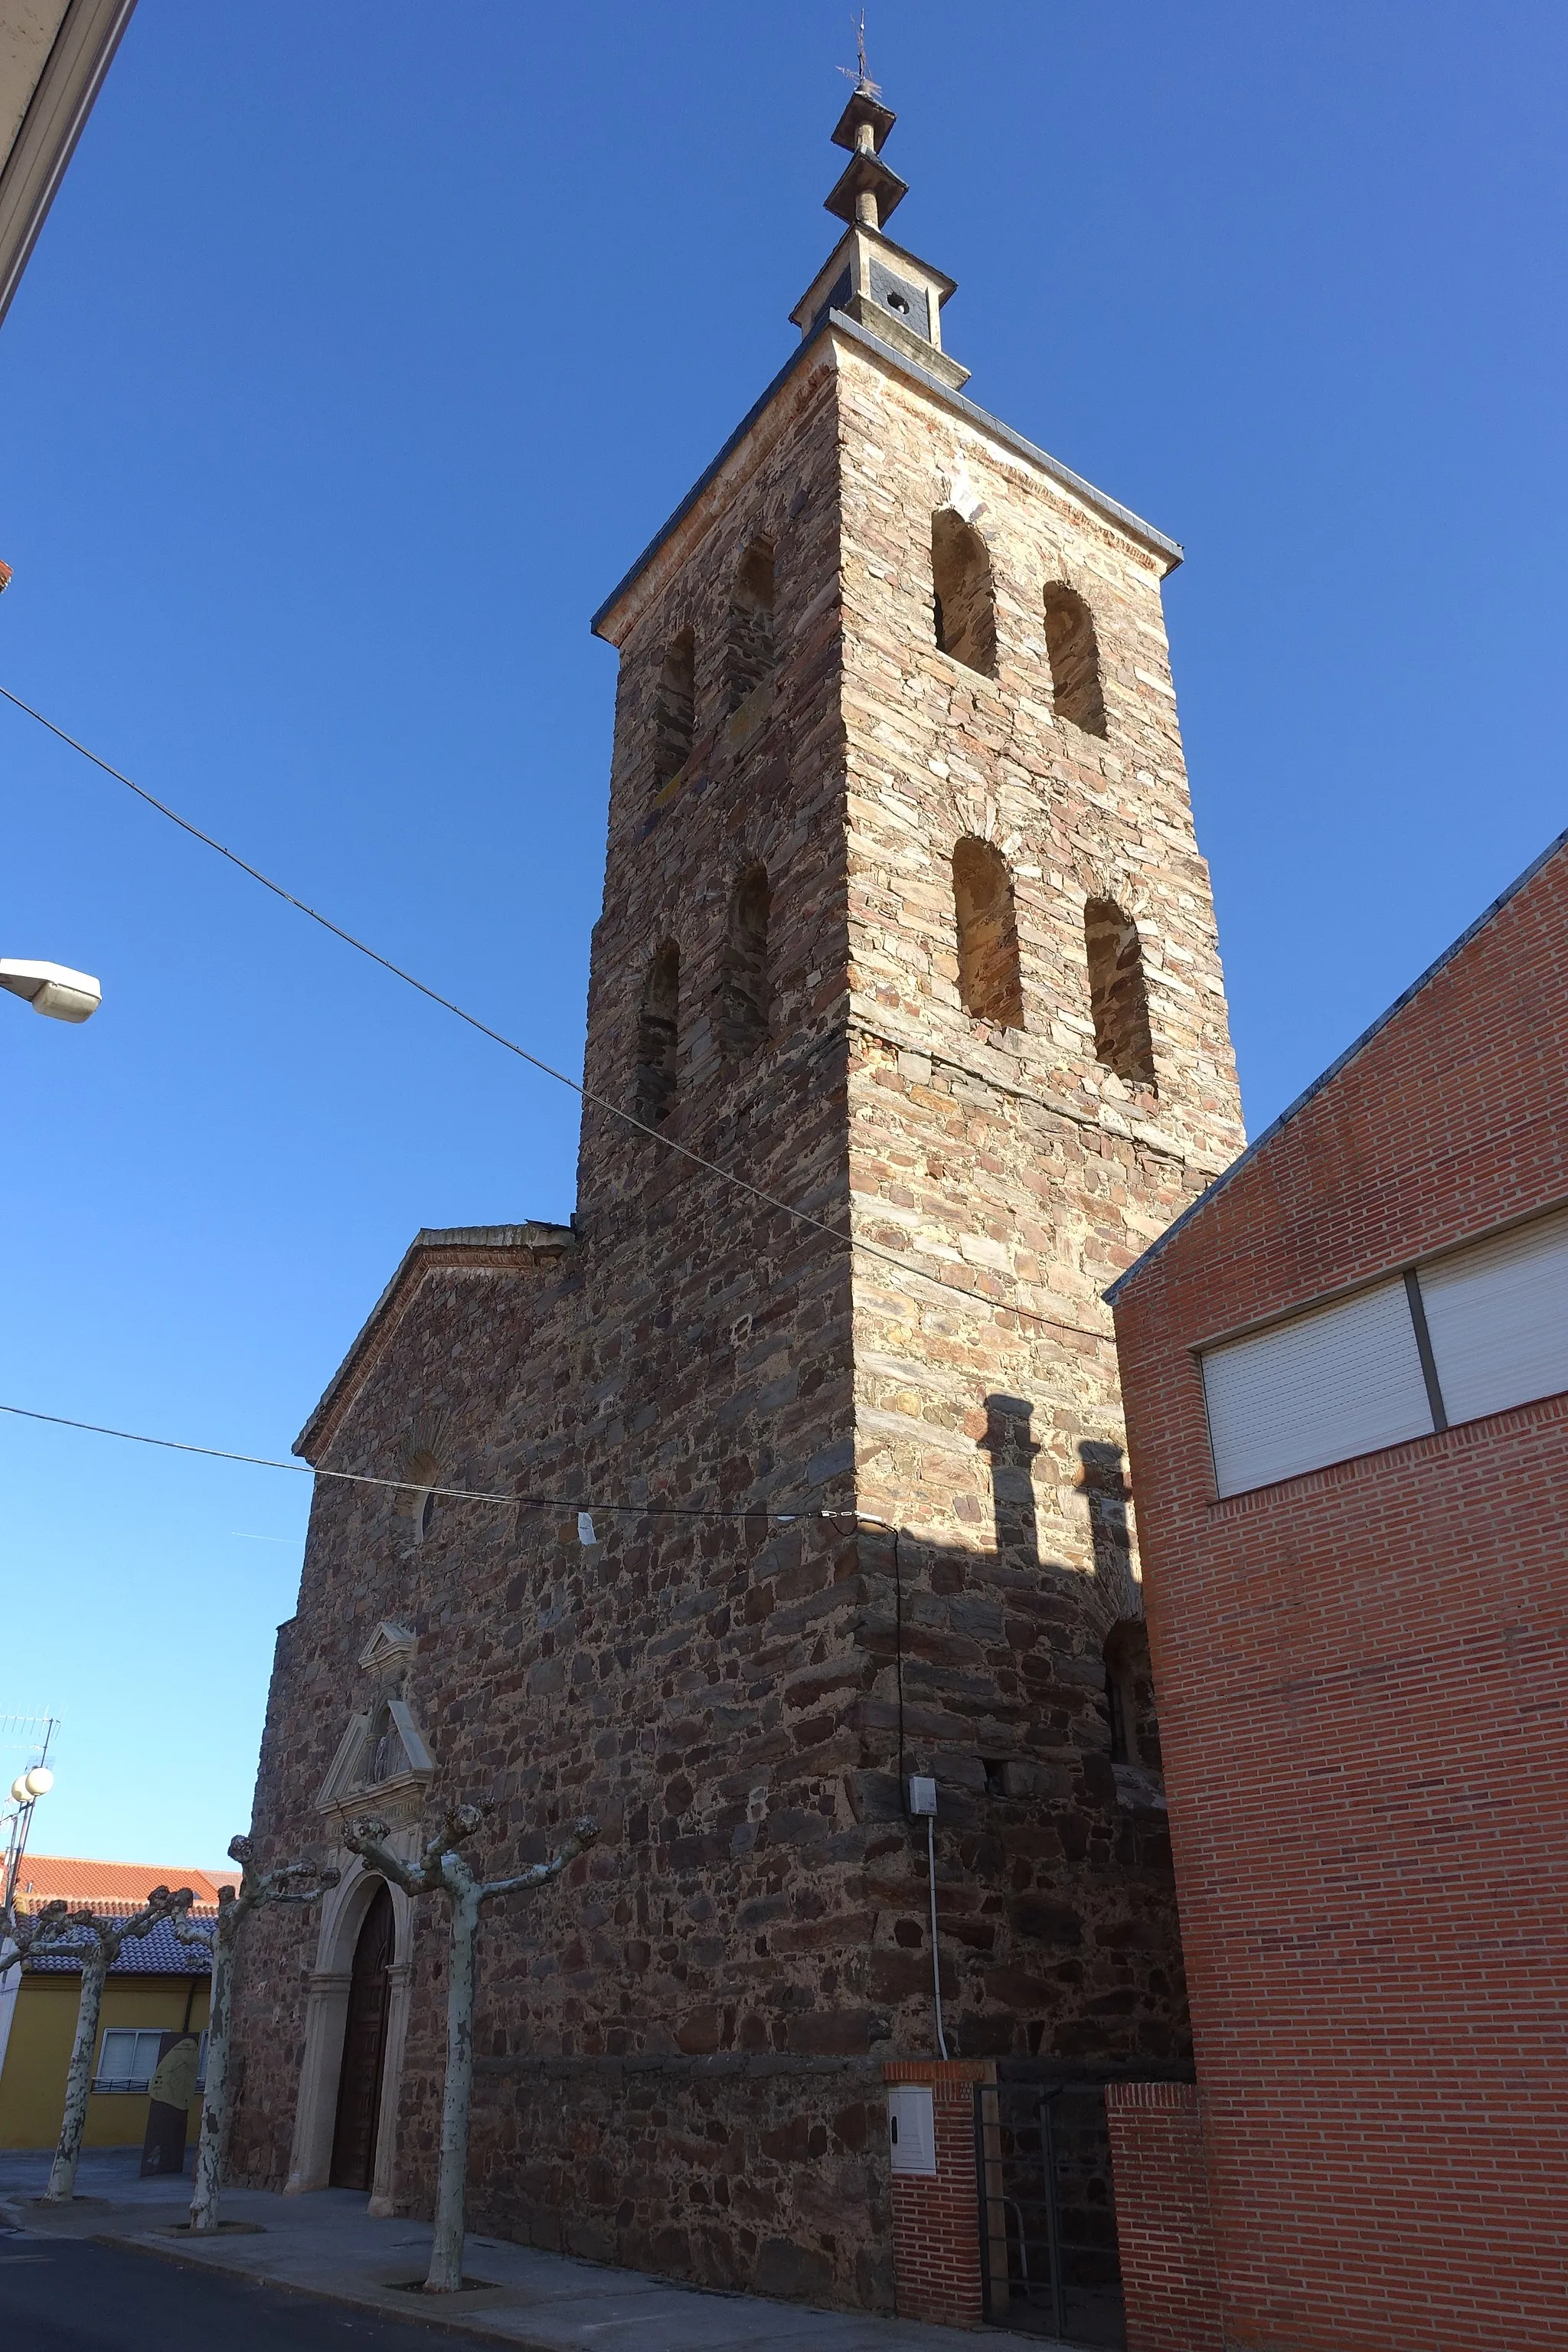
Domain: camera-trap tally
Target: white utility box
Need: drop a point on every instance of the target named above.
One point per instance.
(911, 2129)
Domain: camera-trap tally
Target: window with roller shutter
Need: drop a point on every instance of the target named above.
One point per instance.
(1349, 1379)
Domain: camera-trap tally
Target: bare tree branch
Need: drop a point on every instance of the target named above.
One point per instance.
(443, 1868)
(98, 1943)
(221, 1936)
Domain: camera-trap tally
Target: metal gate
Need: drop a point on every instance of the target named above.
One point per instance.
(1048, 2257)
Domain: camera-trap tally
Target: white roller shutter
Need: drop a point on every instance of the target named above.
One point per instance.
(1498, 1315)
(1342, 1381)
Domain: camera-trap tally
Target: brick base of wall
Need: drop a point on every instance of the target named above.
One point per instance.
(1169, 2276)
(936, 2217)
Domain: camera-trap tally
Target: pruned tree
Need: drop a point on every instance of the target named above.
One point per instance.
(220, 1937)
(36, 1935)
(97, 1943)
(442, 1869)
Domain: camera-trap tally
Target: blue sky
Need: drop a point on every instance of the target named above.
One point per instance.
(362, 350)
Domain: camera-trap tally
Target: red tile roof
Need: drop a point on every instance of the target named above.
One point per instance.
(111, 1888)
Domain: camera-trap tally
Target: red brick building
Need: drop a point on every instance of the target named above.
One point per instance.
(1344, 1373)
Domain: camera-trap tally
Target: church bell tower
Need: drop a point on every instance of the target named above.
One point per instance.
(907, 1033)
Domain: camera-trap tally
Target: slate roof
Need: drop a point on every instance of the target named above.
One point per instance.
(159, 1954)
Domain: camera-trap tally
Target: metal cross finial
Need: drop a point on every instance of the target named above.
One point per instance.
(862, 77)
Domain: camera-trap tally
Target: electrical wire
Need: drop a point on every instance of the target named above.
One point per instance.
(935, 1947)
(452, 1494)
(585, 1094)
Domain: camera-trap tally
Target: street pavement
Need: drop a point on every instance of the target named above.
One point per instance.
(72, 2295)
(308, 2271)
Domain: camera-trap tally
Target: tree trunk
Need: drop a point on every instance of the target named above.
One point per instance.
(214, 2098)
(78, 2077)
(446, 2246)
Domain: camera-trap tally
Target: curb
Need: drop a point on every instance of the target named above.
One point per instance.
(390, 2302)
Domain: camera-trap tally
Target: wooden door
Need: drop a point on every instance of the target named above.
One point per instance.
(365, 2048)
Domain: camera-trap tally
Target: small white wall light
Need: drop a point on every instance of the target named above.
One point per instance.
(52, 988)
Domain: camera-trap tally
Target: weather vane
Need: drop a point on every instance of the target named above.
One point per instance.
(861, 77)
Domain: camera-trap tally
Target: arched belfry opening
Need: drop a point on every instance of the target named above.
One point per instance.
(990, 977)
(749, 646)
(966, 600)
(1118, 994)
(675, 709)
(744, 982)
(361, 2073)
(1073, 651)
(658, 1037)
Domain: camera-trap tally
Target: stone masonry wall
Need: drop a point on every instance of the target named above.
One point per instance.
(680, 2046)
(1010, 1162)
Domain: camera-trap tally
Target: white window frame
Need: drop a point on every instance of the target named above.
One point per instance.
(134, 2083)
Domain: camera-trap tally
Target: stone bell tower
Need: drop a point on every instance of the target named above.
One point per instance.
(906, 924)
(907, 1032)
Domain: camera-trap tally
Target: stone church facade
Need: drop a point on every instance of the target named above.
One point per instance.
(906, 927)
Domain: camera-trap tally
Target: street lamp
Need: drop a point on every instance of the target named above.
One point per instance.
(28, 1786)
(52, 988)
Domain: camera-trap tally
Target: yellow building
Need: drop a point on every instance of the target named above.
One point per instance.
(157, 1985)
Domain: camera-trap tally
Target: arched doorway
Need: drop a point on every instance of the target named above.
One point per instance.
(364, 2047)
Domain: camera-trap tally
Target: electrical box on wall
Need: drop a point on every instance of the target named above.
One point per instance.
(923, 1795)
(911, 2129)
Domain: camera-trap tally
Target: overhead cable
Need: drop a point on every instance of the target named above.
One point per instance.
(454, 1494)
(600, 1102)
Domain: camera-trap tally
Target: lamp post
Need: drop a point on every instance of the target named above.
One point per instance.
(25, 1790)
(53, 988)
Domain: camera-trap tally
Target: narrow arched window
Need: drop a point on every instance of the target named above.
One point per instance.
(749, 649)
(743, 980)
(1129, 1696)
(1073, 651)
(658, 1035)
(1118, 997)
(990, 982)
(424, 1476)
(675, 709)
(966, 600)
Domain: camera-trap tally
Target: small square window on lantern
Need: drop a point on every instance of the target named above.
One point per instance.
(911, 2129)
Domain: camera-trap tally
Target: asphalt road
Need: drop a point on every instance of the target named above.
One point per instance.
(70, 2295)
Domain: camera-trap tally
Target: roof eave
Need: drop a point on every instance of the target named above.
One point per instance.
(526, 1240)
(1169, 550)
(1194, 1209)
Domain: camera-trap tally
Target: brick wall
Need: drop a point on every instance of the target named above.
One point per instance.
(936, 2216)
(1361, 1675)
(1170, 2287)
